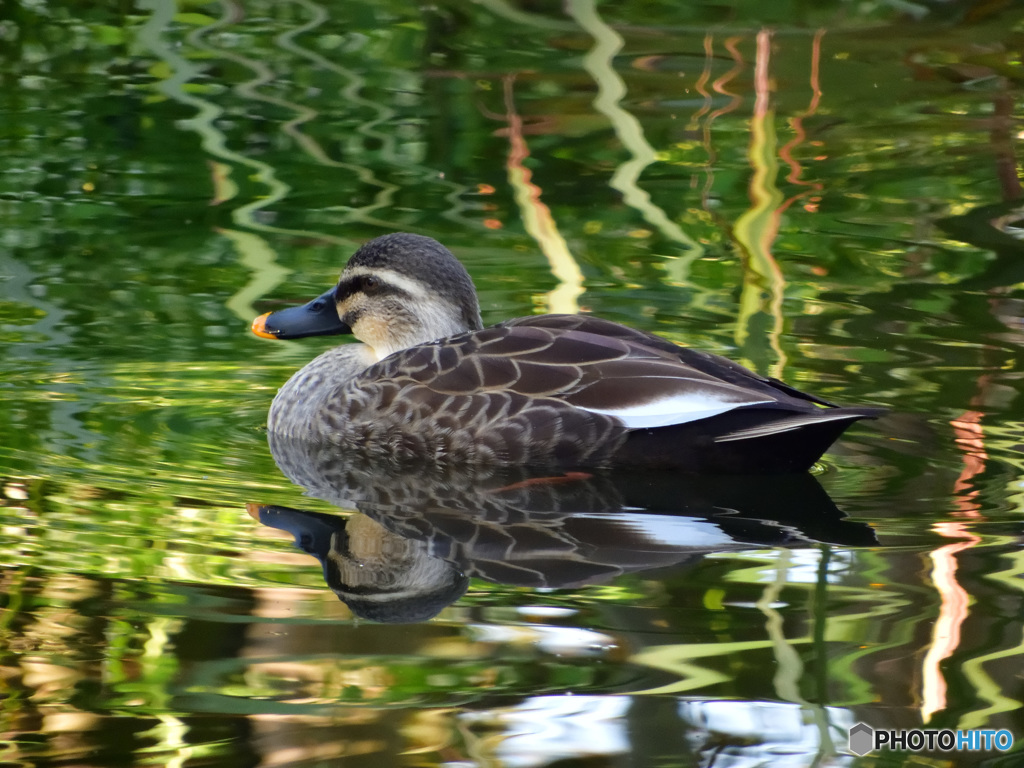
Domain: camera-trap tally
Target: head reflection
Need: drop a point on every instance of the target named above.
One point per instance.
(378, 574)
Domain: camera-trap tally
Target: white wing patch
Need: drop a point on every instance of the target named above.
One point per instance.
(679, 409)
(669, 532)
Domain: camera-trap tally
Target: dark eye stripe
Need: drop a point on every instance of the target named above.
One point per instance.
(344, 290)
(371, 285)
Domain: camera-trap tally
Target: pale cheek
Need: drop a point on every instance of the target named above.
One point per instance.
(389, 331)
(374, 332)
(390, 326)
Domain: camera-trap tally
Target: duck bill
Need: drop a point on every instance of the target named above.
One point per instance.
(317, 318)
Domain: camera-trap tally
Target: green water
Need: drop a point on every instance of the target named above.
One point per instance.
(827, 192)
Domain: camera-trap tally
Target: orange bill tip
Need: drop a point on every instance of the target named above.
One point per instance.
(254, 510)
(259, 326)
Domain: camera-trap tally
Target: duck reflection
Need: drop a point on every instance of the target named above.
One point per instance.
(421, 532)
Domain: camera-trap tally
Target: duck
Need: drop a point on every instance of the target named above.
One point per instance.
(427, 383)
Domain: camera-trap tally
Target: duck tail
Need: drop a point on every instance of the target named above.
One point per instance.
(743, 441)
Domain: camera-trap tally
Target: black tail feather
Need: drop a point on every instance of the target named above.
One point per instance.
(744, 441)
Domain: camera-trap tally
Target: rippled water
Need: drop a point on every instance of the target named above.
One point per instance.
(826, 192)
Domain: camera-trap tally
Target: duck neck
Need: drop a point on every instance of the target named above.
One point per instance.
(388, 339)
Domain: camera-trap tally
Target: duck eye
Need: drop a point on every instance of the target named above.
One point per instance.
(370, 283)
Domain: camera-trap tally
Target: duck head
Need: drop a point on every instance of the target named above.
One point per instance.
(395, 292)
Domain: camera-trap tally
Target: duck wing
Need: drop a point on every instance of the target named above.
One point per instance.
(554, 389)
(641, 381)
(728, 415)
(714, 365)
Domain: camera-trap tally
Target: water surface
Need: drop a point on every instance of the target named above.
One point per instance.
(826, 192)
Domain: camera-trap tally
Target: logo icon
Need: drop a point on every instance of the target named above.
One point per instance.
(862, 738)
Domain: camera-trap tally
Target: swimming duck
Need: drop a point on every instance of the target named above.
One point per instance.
(430, 383)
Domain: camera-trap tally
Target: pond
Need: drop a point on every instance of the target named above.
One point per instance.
(828, 193)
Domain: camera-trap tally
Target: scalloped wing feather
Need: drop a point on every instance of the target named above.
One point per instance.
(621, 376)
(720, 368)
